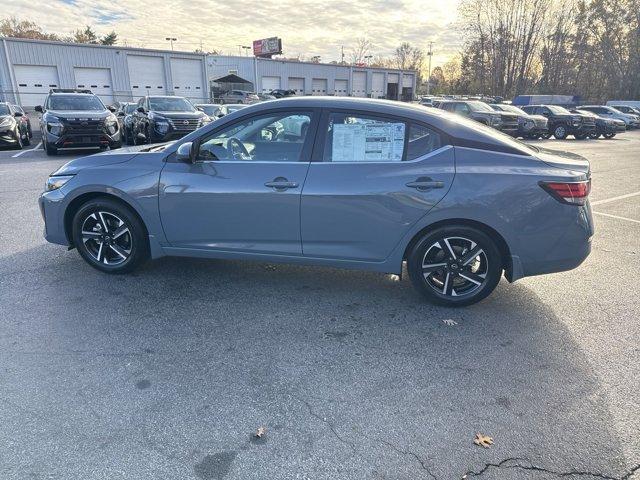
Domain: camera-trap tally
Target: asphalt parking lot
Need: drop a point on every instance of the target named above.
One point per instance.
(167, 373)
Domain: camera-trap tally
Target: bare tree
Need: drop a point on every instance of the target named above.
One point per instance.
(360, 50)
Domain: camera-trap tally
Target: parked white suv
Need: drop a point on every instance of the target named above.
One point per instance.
(239, 96)
(631, 121)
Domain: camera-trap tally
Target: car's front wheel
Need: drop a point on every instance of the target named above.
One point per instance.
(609, 135)
(109, 236)
(455, 265)
(560, 132)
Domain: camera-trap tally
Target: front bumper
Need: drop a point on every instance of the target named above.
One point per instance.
(52, 205)
(89, 139)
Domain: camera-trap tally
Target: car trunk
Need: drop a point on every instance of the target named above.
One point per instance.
(565, 160)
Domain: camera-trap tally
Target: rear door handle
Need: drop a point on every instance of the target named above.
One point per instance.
(425, 183)
(281, 183)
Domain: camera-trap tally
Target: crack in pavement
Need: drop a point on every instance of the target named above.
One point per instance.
(414, 455)
(328, 423)
(535, 468)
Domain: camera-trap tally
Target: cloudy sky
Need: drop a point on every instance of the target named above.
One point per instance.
(307, 27)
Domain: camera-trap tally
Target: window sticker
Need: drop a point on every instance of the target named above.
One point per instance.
(368, 142)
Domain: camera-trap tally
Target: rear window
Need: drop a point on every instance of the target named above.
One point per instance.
(4, 110)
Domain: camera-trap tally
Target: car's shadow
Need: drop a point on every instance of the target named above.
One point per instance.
(353, 375)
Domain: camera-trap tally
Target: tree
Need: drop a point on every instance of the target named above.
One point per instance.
(12, 27)
(360, 51)
(109, 38)
(85, 36)
(408, 57)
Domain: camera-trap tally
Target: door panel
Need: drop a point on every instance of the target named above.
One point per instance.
(226, 206)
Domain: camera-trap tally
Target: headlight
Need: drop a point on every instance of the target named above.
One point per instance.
(111, 123)
(162, 126)
(54, 125)
(7, 122)
(55, 182)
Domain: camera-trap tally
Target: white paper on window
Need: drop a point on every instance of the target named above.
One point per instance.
(373, 142)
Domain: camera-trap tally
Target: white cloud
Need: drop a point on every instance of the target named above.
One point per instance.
(307, 27)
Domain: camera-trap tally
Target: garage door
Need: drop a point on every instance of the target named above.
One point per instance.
(98, 80)
(186, 74)
(359, 84)
(146, 74)
(319, 86)
(377, 85)
(270, 83)
(407, 80)
(296, 84)
(341, 87)
(34, 82)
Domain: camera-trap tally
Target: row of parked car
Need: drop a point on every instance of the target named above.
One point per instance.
(544, 121)
(15, 127)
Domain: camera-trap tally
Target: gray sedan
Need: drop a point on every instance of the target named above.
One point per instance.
(367, 184)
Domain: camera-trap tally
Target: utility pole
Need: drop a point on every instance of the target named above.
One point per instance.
(430, 54)
(367, 59)
(342, 61)
(239, 50)
(171, 40)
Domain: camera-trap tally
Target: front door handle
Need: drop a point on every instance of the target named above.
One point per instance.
(425, 183)
(281, 184)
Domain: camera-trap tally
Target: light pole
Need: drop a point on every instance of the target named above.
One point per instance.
(171, 40)
(246, 50)
(367, 59)
(430, 54)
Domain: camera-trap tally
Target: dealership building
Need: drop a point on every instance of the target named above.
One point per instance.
(30, 68)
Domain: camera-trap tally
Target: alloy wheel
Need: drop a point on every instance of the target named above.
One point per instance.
(455, 266)
(107, 238)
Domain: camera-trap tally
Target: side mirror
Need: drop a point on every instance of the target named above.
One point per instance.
(111, 108)
(120, 114)
(186, 153)
(140, 109)
(39, 109)
(17, 114)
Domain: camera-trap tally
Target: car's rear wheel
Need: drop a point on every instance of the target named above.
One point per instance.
(109, 236)
(455, 265)
(594, 135)
(609, 135)
(19, 143)
(560, 132)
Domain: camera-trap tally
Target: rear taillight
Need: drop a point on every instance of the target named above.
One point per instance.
(574, 193)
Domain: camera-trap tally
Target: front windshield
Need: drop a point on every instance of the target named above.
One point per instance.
(130, 108)
(210, 110)
(511, 108)
(4, 110)
(478, 106)
(170, 104)
(556, 109)
(75, 102)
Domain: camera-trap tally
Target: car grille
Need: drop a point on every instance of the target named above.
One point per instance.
(589, 122)
(185, 125)
(77, 126)
(510, 121)
(541, 123)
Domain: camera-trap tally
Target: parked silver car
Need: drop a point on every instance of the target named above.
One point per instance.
(367, 184)
(239, 96)
(631, 120)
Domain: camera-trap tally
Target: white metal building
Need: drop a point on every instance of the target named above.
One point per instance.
(30, 68)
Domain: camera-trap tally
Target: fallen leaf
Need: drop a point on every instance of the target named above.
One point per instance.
(260, 432)
(450, 322)
(483, 440)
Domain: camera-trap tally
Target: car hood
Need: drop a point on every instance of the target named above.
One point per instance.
(84, 114)
(564, 160)
(98, 160)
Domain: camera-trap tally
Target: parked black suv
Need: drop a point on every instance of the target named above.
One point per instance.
(562, 122)
(529, 126)
(483, 113)
(74, 119)
(281, 93)
(160, 119)
(607, 127)
(13, 131)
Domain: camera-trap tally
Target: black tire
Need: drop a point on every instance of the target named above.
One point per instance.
(594, 135)
(26, 139)
(546, 135)
(438, 285)
(560, 132)
(581, 136)
(51, 151)
(101, 247)
(609, 136)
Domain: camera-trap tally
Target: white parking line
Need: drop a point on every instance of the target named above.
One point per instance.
(620, 197)
(25, 151)
(617, 217)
